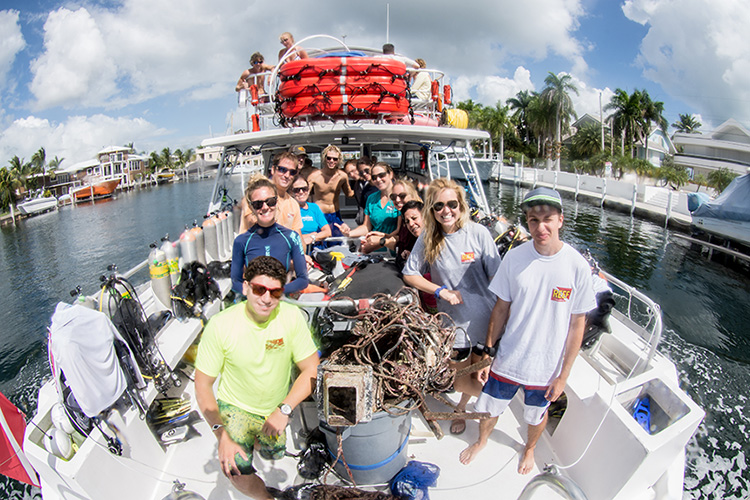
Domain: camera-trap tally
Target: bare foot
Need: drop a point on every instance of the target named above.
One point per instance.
(526, 464)
(466, 456)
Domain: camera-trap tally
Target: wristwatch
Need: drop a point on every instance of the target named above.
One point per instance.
(480, 349)
(382, 241)
(285, 409)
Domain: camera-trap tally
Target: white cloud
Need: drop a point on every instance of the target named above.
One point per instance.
(77, 139)
(699, 52)
(491, 89)
(75, 69)
(587, 100)
(11, 43)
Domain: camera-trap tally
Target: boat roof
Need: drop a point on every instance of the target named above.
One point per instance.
(323, 133)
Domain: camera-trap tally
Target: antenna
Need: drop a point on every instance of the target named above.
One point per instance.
(387, 23)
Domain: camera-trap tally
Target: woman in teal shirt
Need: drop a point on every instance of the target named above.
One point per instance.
(380, 214)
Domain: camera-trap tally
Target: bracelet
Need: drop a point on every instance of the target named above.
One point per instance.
(437, 292)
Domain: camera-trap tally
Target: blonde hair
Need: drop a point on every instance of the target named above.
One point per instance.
(408, 184)
(328, 149)
(256, 182)
(421, 62)
(433, 237)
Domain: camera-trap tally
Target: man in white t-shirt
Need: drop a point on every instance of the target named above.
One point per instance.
(548, 284)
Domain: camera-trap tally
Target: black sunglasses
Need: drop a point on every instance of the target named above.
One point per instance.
(255, 63)
(438, 206)
(365, 171)
(290, 171)
(332, 158)
(381, 175)
(261, 290)
(400, 196)
(258, 204)
(300, 190)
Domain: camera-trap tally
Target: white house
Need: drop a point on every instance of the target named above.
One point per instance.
(727, 146)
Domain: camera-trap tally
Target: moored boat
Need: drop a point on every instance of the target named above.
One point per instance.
(37, 204)
(96, 189)
(598, 445)
(728, 216)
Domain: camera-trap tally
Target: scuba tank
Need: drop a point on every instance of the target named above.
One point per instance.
(188, 248)
(211, 239)
(236, 218)
(199, 242)
(227, 232)
(220, 236)
(158, 268)
(173, 259)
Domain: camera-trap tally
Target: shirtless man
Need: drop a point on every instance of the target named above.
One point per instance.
(247, 77)
(327, 184)
(546, 302)
(287, 40)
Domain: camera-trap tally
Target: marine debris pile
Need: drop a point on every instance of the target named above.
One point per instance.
(407, 349)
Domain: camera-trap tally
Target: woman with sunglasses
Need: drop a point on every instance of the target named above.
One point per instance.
(380, 213)
(315, 227)
(462, 259)
(403, 191)
(267, 237)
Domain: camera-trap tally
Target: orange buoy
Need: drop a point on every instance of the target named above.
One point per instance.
(447, 94)
(254, 95)
(435, 88)
(256, 123)
(342, 66)
(345, 106)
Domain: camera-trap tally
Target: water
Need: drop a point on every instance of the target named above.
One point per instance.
(705, 305)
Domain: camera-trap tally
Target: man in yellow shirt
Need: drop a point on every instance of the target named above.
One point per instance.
(253, 346)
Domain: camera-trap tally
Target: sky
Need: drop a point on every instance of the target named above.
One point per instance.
(79, 76)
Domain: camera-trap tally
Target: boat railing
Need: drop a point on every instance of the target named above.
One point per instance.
(554, 480)
(641, 314)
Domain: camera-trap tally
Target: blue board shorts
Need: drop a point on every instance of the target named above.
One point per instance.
(334, 218)
(244, 428)
(498, 392)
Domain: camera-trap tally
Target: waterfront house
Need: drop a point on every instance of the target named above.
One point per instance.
(727, 146)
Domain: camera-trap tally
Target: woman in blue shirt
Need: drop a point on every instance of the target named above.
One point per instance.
(267, 237)
(380, 213)
(315, 227)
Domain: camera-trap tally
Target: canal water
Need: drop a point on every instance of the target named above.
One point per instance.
(705, 305)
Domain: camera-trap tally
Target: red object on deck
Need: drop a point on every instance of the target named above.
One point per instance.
(10, 445)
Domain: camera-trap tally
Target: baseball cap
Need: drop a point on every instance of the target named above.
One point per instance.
(542, 196)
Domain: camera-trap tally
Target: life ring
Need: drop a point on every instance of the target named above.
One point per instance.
(349, 85)
(346, 66)
(355, 106)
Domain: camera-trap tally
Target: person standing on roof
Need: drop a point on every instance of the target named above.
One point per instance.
(287, 40)
(327, 184)
(251, 348)
(544, 291)
(250, 76)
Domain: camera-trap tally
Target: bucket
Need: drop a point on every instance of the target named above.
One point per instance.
(374, 451)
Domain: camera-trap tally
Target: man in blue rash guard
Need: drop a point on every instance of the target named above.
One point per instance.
(267, 237)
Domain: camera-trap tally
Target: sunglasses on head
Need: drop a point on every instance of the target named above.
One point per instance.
(258, 204)
(303, 189)
(261, 290)
(400, 196)
(284, 170)
(332, 158)
(438, 206)
(381, 175)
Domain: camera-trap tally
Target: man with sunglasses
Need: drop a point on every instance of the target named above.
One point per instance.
(544, 290)
(249, 76)
(253, 346)
(327, 184)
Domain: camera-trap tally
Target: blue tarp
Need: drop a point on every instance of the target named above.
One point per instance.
(732, 204)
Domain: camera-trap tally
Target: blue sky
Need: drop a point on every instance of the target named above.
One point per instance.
(79, 76)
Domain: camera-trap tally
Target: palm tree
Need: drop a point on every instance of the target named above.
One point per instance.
(651, 111)
(588, 141)
(541, 119)
(701, 180)
(674, 175)
(21, 171)
(720, 179)
(556, 94)
(687, 124)
(8, 186)
(166, 158)
(496, 121)
(521, 104)
(626, 117)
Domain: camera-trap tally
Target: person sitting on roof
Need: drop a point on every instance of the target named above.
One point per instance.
(287, 40)
(268, 237)
(251, 348)
(251, 76)
(421, 87)
(390, 51)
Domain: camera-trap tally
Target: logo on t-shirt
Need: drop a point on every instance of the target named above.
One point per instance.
(274, 344)
(560, 294)
(467, 257)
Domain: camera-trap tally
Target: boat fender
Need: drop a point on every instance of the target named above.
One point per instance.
(59, 443)
(447, 94)
(60, 420)
(435, 88)
(254, 95)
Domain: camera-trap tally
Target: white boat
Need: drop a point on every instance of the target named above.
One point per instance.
(37, 204)
(728, 216)
(597, 448)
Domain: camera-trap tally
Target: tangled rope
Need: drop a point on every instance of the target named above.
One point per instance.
(408, 349)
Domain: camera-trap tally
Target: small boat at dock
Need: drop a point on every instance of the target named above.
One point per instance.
(96, 190)
(37, 204)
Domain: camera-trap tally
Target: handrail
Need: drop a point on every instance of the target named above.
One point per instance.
(552, 478)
